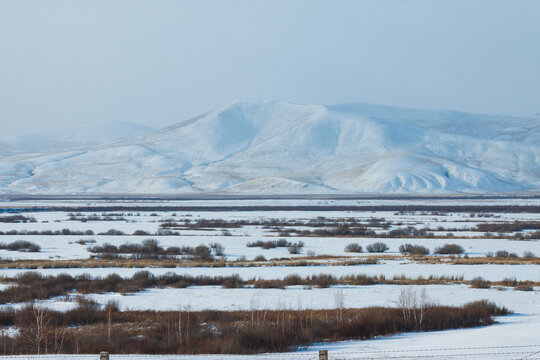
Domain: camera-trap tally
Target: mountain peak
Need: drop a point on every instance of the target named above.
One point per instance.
(272, 146)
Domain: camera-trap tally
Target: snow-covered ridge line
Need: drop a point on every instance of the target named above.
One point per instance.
(275, 147)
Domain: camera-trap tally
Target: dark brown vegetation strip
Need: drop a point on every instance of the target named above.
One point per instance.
(166, 262)
(31, 286)
(90, 329)
(14, 219)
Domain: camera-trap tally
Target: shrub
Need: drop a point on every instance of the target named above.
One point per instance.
(269, 244)
(377, 247)
(21, 245)
(233, 282)
(528, 255)
(218, 249)
(413, 249)
(479, 283)
(295, 248)
(449, 249)
(85, 241)
(354, 248)
(509, 282)
(202, 253)
(323, 280)
(259, 258)
(502, 254)
(112, 232)
(292, 279)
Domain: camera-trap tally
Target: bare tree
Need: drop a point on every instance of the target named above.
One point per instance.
(38, 317)
(339, 301)
(413, 306)
(407, 303)
(423, 303)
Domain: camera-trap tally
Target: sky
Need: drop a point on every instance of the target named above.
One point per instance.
(69, 63)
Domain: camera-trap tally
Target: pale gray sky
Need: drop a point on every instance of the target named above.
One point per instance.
(159, 62)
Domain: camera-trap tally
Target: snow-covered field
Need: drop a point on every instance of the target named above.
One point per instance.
(513, 337)
(66, 246)
(198, 298)
(488, 271)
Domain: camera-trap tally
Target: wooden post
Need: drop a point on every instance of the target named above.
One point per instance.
(104, 355)
(323, 354)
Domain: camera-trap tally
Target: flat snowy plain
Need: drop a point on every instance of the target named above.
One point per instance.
(515, 336)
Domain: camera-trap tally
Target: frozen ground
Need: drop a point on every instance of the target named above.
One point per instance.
(514, 337)
(65, 246)
(388, 269)
(310, 200)
(198, 298)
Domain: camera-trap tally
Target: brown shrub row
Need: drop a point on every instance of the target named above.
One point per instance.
(91, 329)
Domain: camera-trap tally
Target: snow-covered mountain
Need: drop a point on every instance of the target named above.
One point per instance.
(279, 147)
(71, 137)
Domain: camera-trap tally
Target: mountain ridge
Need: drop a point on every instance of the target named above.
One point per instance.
(270, 146)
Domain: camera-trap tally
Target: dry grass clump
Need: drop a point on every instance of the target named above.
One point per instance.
(480, 283)
(85, 241)
(524, 287)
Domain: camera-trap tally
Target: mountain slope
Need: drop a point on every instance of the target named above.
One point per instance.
(279, 147)
(71, 137)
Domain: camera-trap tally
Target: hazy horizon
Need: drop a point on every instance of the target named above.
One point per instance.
(70, 63)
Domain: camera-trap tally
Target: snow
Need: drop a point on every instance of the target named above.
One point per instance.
(198, 298)
(513, 337)
(66, 246)
(388, 269)
(275, 147)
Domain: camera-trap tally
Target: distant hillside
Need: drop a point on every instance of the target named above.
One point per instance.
(71, 137)
(274, 147)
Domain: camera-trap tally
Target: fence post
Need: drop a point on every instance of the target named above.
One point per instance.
(323, 354)
(104, 355)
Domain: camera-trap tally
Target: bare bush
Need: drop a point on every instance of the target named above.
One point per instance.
(353, 247)
(217, 249)
(296, 248)
(21, 245)
(377, 247)
(413, 249)
(450, 249)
